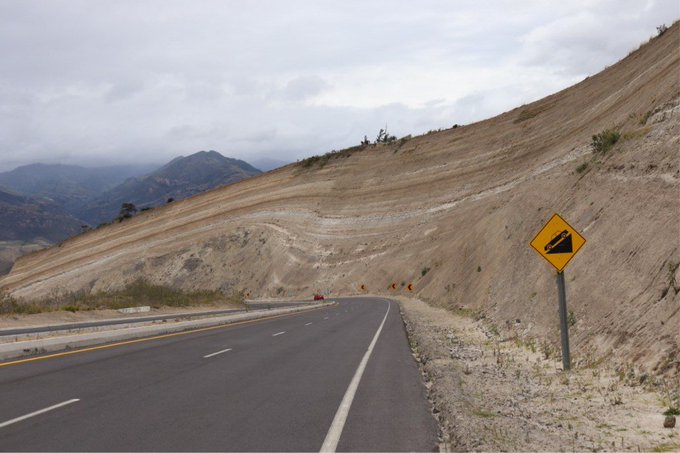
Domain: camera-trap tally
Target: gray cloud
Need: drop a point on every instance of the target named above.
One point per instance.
(304, 87)
(94, 81)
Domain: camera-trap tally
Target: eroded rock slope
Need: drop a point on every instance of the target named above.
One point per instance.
(451, 212)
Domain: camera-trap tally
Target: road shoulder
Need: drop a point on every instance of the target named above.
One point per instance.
(493, 394)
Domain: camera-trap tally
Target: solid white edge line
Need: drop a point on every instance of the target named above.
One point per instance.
(215, 353)
(33, 414)
(279, 333)
(330, 443)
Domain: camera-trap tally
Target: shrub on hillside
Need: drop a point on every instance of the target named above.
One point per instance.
(603, 142)
(384, 137)
(127, 210)
(9, 305)
(322, 160)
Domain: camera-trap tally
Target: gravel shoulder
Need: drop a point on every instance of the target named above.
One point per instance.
(491, 394)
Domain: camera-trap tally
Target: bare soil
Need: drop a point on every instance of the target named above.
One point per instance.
(495, 395)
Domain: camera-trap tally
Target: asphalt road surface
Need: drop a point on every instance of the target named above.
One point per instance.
(341, 378)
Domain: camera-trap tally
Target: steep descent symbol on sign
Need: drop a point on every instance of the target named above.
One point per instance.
(560, 243)
(557, 242)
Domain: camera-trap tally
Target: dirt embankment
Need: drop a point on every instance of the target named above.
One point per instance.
(451, 212)
(495, 395)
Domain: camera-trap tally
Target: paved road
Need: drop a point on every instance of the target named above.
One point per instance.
(274, 385)
(138, 319)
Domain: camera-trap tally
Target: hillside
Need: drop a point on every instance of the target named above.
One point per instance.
(180, 178)
(451, 212)
(11, 250)
(28, 219)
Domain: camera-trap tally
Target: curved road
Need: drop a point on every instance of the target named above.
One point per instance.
(340, 377)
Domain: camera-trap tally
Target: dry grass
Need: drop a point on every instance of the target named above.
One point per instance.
(531, 112)
(139, 292)
(638, 133)
(605, 140)
(324, 159)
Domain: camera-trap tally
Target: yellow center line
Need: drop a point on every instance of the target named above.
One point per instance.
(156, 337)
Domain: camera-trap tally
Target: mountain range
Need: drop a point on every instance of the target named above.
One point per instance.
(54, 202)
(68, 186)
(27, 219)
(180, 178)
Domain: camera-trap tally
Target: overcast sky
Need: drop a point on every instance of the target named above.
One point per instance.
(103, 81)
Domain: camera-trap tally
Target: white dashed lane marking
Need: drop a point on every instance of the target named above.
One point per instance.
(41, 411)
(215, 353)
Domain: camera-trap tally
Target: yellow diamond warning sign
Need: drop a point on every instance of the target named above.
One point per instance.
(558, 242)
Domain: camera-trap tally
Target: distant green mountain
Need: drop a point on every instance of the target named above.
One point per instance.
(29, 219)
(68, 186)
(180, 178)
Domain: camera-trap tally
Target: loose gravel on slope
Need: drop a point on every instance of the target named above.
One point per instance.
(502, 396)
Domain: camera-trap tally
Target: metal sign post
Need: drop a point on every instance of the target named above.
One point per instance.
(564, 325)
(558, 242)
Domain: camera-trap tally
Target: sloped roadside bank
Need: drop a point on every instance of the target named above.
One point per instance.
(491, 395)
